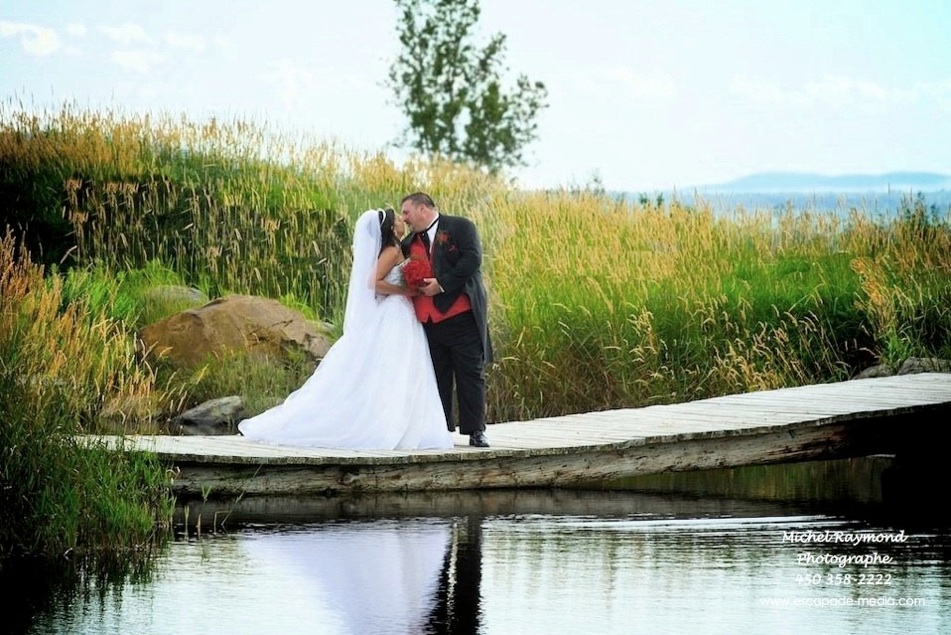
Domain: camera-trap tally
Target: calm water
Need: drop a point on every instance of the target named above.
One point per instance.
(785, 561)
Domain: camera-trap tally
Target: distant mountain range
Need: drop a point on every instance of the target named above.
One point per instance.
(884, 194)
(807, 183)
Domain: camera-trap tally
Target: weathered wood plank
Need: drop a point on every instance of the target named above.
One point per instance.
(830, 420)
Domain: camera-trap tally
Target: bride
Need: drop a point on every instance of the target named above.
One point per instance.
(375, 389)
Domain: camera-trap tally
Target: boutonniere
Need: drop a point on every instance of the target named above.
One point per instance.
(442, 237)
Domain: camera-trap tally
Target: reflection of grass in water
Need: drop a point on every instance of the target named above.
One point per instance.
(37, 591)
(857, 480)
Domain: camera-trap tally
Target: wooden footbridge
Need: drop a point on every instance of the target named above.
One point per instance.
(851, 418)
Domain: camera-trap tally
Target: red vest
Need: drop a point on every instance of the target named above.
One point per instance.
(426, 310)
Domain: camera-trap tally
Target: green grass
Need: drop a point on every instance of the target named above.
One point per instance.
(63, 367)
(595, 302)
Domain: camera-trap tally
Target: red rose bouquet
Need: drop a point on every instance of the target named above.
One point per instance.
(414, 270)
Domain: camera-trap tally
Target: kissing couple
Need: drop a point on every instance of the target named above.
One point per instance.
(412, 356)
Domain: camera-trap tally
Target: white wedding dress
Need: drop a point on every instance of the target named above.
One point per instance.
(375, 389)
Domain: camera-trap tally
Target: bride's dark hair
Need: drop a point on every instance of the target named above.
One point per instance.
(387, 219)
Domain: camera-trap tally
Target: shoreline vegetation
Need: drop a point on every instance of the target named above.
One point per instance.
(596, 302)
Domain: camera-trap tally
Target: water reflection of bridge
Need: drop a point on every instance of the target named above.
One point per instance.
(851, 418)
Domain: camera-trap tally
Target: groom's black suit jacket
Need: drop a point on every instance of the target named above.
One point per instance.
(457, 261)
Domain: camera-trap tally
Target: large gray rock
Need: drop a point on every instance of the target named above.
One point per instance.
(234, 323)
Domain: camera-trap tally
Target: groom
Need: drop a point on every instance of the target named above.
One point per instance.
(453, 309)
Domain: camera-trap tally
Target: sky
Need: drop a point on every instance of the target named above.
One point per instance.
(643, 95)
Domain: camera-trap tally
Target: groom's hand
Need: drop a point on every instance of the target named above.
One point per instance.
(430, 287)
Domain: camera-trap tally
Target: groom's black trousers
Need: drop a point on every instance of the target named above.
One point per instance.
(456, 349)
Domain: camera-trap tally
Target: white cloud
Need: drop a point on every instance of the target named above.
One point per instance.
(830, 91)
(224, 45)
(128, 33)
(643, 85)
(294, 83)
(937, 92)
(36, 40)
(837, 91)
(76, 29)
(757, 91)
(139, 61)
(618, 82)
(184, 41)
(297, 85)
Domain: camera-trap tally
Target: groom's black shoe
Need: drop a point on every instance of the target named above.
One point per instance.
(478, 439)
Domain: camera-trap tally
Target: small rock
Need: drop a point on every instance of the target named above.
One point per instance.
(914, 365)
(217, 416)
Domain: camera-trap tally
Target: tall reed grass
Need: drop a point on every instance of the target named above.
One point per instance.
(232, 207)
(61, 368)
(596, 302)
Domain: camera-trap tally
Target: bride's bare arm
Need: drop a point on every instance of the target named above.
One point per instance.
(389, 258)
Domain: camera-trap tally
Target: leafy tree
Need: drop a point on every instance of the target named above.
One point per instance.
(451, 90)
